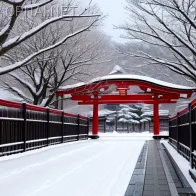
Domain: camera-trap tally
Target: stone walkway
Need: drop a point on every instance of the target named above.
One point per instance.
(156, 174)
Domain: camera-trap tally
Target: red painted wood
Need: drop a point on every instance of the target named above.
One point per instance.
(173, 117)
(184, 111)
(95, 87)
(193, 103)
(124, 102)
(35, 108)
(95, 119)
(10, 104)
(83, 117)
(156, 119)
(70, 115)
(53, 111)
(138, 97)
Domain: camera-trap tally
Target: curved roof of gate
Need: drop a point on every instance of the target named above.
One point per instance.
(124, 81)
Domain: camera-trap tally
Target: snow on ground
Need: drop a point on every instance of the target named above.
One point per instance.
(87, 168)
(126, 136)
(183, 164)
(143, 135)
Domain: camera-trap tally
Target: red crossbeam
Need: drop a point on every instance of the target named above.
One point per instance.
(124, 98)
(126, 102)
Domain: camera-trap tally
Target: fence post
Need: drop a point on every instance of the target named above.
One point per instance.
(62, 127)
(191, 135)
(177, 127)
(88, 123)
(104, 125)
(62, 101)
(169, 130)
(78, 126)
(24, 126)
(48, 125)
(116, 122)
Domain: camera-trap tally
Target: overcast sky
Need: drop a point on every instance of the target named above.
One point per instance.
(116, 16)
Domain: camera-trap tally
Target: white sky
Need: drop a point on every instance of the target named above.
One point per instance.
(116, 16)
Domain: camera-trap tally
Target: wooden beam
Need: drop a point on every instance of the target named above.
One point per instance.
(125, 102)
(149, 97)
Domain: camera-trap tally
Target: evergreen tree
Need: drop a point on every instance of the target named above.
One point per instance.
(130, 115)
(110, 121)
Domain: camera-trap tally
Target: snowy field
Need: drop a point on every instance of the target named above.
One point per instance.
(87, 168)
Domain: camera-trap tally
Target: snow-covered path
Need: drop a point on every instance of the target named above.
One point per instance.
(88, 168)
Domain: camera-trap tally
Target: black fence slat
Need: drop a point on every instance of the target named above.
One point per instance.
(22, 130)
(177, 129)
(191, 135)
(48, 125)
(88, 122)
(182, 133)
(62, 127)
(24, 126)
(78, 127)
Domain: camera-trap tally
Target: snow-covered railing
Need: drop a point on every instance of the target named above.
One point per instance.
(26, 127)
(182, 133)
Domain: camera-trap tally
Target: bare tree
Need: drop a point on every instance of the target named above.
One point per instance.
(38, 83)
(8, 26)
(166, 24)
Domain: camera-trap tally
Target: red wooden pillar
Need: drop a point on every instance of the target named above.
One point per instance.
(156, 119)
(95, 118)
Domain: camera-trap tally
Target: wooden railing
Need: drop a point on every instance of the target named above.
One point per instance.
(182, 132)
(25, 127)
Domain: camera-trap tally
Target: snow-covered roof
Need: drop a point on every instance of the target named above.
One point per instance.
(102, 113)
(161, 113)
(73, 86)
(131, 77)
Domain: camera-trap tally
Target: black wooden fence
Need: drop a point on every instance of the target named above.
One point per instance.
(25, 127)
(182, 133)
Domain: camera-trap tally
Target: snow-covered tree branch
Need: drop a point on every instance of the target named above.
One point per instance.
(167, 24)
(40, 79)
(9, 40)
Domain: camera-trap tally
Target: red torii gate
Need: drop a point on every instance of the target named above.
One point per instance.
(101, 91)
